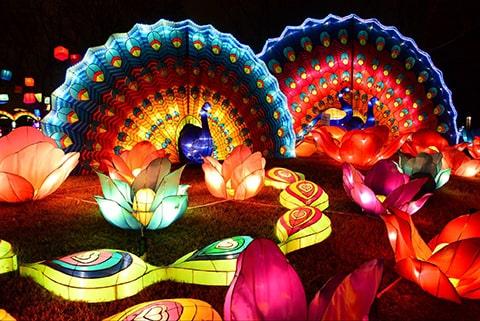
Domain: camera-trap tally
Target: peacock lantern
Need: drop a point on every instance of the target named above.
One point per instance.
(188, 89)
(355, 73)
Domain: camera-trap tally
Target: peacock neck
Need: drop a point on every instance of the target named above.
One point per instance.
(204, 118)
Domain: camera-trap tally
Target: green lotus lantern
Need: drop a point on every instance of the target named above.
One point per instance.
(424, 165)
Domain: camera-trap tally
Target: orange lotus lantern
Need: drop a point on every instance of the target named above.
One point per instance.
(132, 162)
(449, 266)
(240, 177)
(360, 147)
(424, 141)
(459, 163)
(31, 165)
(473, 147)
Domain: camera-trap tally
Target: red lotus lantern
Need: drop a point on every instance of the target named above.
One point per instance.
(426, 141)
(60, 53)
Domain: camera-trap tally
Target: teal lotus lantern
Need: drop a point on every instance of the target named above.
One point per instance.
(153, 201)
(425, 165)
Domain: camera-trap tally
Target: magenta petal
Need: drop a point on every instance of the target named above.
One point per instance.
(384, 177)
(404, 194)
(351, 177)
(414, 206)
(265, 286)
(365, 197)
(350, 297)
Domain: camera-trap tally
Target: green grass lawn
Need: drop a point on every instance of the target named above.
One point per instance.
(69, 221)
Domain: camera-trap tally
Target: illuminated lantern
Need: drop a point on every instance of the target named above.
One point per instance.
(425, 140)
(169, 310)
(302, 227)
(29, 82)
(31, 165)
(29, 98)
(153, 201)
(4, 99)
(8, 258)
(473, 147)
(240, 177)
(383, 187)
(304, 193)
(460, 163)
(6, 74)
(360, 147)
(17, 89)
(130, 163)
(60, 53)
(280, 178)
(425, 165)
(213, 264)
(266, 287)
(74, 58)
(93, 276)
(4, 316)
(448, 267)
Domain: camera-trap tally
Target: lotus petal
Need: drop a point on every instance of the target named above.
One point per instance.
(116, 190)
(170, 209)
(329, 144)
(265, 286)
(351, 177)
(350, 297)
(168, 186)
(152, 176)
(429, 277)
(442, 177)
(117, 215)
(425, 140)
(140, 156)
(238, 155)
(366, 199)
(404, 194)
(58, 176)
(20, 138)
(14, 188)
(384, 177)
(460, 228)
(250, 186)
(213, 177)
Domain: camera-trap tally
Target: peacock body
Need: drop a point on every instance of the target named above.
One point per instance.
(151, 84)
(390, 80)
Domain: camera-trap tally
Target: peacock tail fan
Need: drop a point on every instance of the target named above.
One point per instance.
(148, 83)
(315, 61)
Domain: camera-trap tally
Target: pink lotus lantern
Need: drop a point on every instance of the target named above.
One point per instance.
(383, 187)
(132, 162)
(360, 147)
(266, 287)
(31, 165)
(426, 141)
(240, 177)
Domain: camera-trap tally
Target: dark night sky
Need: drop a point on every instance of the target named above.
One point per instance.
(447, 30)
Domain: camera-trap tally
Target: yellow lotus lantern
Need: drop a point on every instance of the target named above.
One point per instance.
(4, 316)
(240, 177)
(31, 165)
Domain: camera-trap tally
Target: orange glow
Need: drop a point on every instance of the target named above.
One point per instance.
(240, 177)
(460, 163)
(31, 165)
(425, 140)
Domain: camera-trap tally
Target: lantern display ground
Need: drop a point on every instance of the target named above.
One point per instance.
(69, 221)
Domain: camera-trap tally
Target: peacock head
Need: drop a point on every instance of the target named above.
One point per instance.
(343, 92)
(205, 109)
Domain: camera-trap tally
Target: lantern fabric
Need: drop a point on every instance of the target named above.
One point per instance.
(29, 98)
(93, 276)
(304, 193)
(426, 141)
(4, 98)
(31, 165)
(302, 227)
(424, 164)
(29, 82)
(449, 266)
(280, 178)
(241, 175)
(360, 147)
(154, 200)
(266, 287)
(6, 74)
(213, 264)
(473, 147)
(169, 310)
(8, 258)
(459, 163)
(130, 163)
(4, 316)
(75, 58)
(60, 53)
(382, 188)
(306, 148)
(389, 79)
(152, 81)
